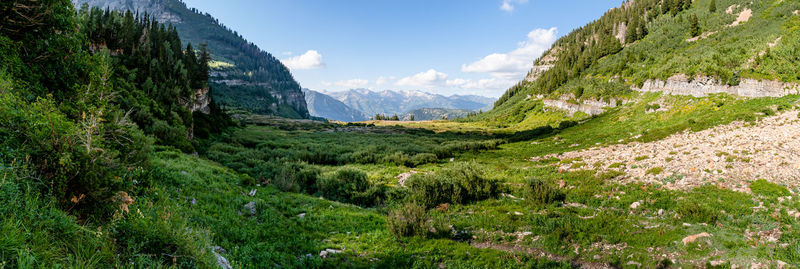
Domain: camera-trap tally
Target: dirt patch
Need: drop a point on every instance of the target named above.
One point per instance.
(703, 36)
(744, 16)
(728, 156)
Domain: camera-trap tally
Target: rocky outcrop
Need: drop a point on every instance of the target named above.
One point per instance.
(591, 107)
(200, 101)
(155, 8)
(542, 65)
(702, 86)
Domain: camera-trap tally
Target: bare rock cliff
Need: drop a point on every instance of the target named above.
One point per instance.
(702, 86)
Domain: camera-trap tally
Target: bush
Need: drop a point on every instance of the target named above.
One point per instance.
(409, 219)
(350, 185)
(89, 157)
(460, 183)
(566, 124)
(538, 191)
(768, 189)
(768, 111)
(422, 158)
(691, 211)
(297, 177)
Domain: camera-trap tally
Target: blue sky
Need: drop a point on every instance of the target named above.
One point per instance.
(442, 46)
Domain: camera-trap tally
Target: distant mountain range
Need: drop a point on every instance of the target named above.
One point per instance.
(322, 105)
(436, 114)
(362, 104)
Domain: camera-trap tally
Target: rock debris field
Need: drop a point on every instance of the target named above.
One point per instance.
(728, 156)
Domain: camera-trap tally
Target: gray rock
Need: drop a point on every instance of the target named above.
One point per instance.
(329, 251)
(221, 261)
(250, 208)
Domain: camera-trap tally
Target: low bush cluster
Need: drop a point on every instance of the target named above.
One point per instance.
(460, 183)
(350, 185)
(540, 192)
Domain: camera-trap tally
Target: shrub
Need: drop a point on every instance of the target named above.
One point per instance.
(654, 171)
(768, 111)
(768, 189)
(422, 158)
(692, 211)
(538, 191)
(297, 177)
(566, 124)
(410, 219)
(460, 183)
(350, 185)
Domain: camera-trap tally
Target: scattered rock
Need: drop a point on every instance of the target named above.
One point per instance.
(634, 263)
(690, 239)
(301, 215)
(219, 249)
(194, 201)
(325, 253)
(250, 208)
(635, 205)
(743, 151)
(221, 261)
(661, 212)
(401, 178)
(252, 192)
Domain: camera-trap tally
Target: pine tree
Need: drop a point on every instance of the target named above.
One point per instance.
(713, 6)
(411, 118)
(694, 28)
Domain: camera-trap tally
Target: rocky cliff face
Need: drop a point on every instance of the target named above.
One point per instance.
(542, 65)
(702, 86)
(589, 106)
(155, 8)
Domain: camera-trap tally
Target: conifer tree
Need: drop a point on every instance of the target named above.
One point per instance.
(694, 28)
(713, 6)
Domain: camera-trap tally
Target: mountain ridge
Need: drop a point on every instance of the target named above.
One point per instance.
(388, 102)
(243, 75)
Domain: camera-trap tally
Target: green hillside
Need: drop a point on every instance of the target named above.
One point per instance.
(243, 75)
(596, 62)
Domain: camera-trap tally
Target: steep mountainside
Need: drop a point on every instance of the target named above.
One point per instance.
(243, 76)
(321, 105)
(394, 102)
(684, 47)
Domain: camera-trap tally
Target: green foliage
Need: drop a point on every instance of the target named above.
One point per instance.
(540, 192)
(712, 7)
(458, 183)
(696, 212)
(694, 26)
(768, 189)
(349, 185)
(158, 81)
(409, 219)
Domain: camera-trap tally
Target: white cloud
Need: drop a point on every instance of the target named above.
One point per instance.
(514, 64)
(383, 80)
(508, 5)
(425, 79)
(309, 60)
(353, 83)
(489, 84)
